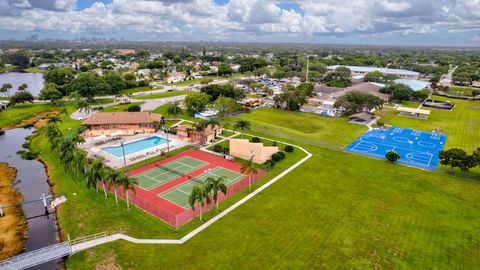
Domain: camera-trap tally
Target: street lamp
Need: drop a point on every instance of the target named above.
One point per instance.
(123, 150)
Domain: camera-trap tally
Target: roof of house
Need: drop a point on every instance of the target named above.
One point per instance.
(416, 85)
(365, 116)
(107, 118)
(326, 89)
(382, 70)
(369, 88)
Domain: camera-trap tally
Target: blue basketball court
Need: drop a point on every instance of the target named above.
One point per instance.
(416, 148)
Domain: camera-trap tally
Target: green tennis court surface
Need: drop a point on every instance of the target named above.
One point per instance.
(179, 194)
(167, 172)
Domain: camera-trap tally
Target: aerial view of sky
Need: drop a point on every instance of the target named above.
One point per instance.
(390, 22)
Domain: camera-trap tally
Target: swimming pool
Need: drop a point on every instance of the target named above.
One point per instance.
(136, 146)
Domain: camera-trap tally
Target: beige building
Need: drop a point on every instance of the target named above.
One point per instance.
(120, 123)
(244, 149)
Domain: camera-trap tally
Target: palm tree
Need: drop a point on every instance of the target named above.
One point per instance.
(67, 146)
(128, 184)
(199, 194)
(94, 173)
(216, 185)
(83, 105)
(23, 87)
(250, 170)
(54, 135)
(77, 164)
(113, 181)
(174, 109)
(241, 124)
(5, 88)
(53, 119)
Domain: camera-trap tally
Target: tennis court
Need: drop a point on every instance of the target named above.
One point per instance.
(416, 148)
(179, 194)
(166, 172)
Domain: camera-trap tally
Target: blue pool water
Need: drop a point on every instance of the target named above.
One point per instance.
(416, 148)
(136, 146)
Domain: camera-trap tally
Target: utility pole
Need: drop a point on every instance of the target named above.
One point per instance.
(306, 76)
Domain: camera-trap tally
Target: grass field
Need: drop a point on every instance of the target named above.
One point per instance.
(335, 211)
(313, 129)
(137, 90)
(34, 70)
(16, 114)
(461, 125)
(120, 107)
(207, 78)
(163, 110)
(5, 69)
(164, 94)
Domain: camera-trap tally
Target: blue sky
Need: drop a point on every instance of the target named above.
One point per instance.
(385, 22)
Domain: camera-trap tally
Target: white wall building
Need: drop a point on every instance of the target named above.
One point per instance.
(357, 70)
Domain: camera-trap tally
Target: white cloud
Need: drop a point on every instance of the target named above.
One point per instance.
(245, 17)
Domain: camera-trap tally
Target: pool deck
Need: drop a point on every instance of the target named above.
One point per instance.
(95, 151)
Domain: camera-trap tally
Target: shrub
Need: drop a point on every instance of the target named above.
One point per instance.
(277, 157)
(268, 165)
(282, 154)
(218, 148)
(392, 156)
(255, 139)
(134, 108)
(288, 148)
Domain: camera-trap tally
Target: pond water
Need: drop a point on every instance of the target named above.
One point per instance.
(33, 80)
(31, 181)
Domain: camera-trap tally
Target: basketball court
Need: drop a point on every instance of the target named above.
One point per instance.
(416, 148)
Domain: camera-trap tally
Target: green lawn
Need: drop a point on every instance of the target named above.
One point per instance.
(460, 125)
(137, 89)
(5, 69)
(100, 101)
(336, 211)
(34, 70)
(164, 94)
(16, 114)
(460, 91)
(313, 129)
(120, 107)
(204, 79)
(163, 110)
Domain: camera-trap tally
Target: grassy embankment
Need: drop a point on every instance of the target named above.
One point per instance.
(337, 210)
(34, 70)
(13, 224)
(5, 69)
(24, 114)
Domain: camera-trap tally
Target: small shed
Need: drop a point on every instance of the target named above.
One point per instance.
(413, 113)
(363, 118)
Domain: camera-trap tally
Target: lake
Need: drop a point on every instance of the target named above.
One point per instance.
(33, 80)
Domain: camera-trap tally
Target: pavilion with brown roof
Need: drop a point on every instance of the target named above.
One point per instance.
(120, 123)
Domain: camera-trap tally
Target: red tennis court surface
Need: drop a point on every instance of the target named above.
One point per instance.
(196, 163)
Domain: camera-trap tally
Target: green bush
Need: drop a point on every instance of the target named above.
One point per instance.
(282, 154)
(268, 165)
(255, 139)
(134, 108)
(288, 148)
(277, 157)
(218, 148)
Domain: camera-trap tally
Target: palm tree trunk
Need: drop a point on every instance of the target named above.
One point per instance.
(128, 202)
(201, 220)
(216, 203)
(250, 182)
(104, 189)
(116, 198)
